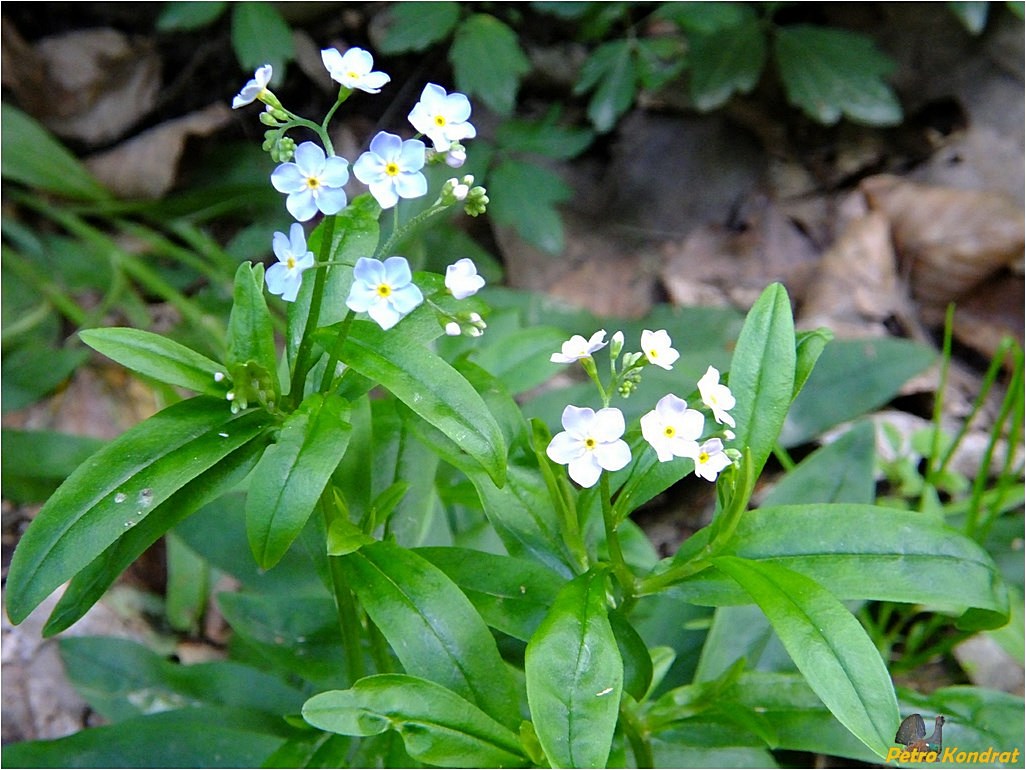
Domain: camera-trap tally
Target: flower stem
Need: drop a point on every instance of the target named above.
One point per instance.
(623, 573)
(398, 233)
(313, 315)
(336, 351)
(639, 745)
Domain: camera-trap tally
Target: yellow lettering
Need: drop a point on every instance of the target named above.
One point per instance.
(949, 754)
(1015, 756)
(972, 756)
(892, 754)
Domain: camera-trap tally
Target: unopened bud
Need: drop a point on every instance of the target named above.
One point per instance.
(453, 329)
(456, 156)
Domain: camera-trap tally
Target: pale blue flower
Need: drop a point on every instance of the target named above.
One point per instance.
(312, 181)
(391, 169)
(383, 290)
(443, 118)
(286, 276)
(462, 280)
(711, 460)
(353, 69)
(576, 348)
(255, 88)
(658, 348)
(716, 396)
(590, 443)
(672, 429)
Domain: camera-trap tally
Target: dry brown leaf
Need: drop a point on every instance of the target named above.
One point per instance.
(950, 240)
(856, 287)
(90, 85)
(146, 165)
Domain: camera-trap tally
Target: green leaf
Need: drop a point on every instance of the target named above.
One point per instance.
(829, 646)
(544, 137)
(637, 662)
(431, 388)
(437, 726)
(31, 372)
(851, 378)
(432, 627)
(261, 36)
(178, 16)
(415, 26)
(575, 676)
(158, 357)
(830, 72)
(122, 679)
(117, 488)
(612, 68)
(511, 595)
(30, 155)
(250, 331)
(35, 462)
(521, 358)
(191, 737)
(861, 552)
(762, 374)
(292, 474)
(524, 195)
(809, 347)
(487, 61)
(187, 586)
(724, 61)
(841, 472)
(704, 18)
(90, 583)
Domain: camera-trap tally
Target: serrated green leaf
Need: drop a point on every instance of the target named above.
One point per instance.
(705, 17)
(544, 137)
(92, 582)
(433, 628)
(30, 155)
(261, 36)
(175, 16)
(575, 676)
(153, 355)
(524, 196)
(612, 68)
(292, 474)
(762, 374)
(487, 61)
(724, 61)
(431, 388)
(437, 726)
(415, 26)
(830, 72)
(117, 489)
(829, 646)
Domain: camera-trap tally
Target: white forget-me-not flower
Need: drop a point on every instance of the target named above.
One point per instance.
(383, 290)
(462, 280)
(392, 169)
(443, 118)
(354, 69)
(286, 276)
(672, 429)
(590, 443)
(312, 181)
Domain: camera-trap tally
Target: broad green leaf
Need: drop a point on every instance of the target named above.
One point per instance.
(90, 583)
(292, 474)
(511, 595)
(35, 462)
(487, 61)
(544, 137)
(250, 331)
(415, 26)
(705, 17)
(808, 348)
(830, 72)
(841, 472)
(261, 36)
(637, 662)
(432, 389)
(432, 627)
(865, 552)
(524, 195)
(724, 61)
(437, 726)
(829, 646)
(33, 371)
(30, 155)
(191, 737)
(612, 67)
(153, 355)
(851, 378)
(575, 676)
(122, 679)
(117, 489)
(187, 586)
(188, 15)
(762, 374)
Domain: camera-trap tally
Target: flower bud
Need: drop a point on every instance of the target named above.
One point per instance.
(456, 156)
(453, 329)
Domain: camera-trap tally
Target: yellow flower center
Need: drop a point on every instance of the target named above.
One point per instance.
(353, 75)
(589, 443)
(392, 169)
(384, 290)
(290, 263)
(440, 121)
(313, 183)
(653, 353)
(703, 458)
(669, 431)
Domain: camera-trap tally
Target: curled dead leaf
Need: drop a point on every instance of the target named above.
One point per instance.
(145, 166)
(949, 240)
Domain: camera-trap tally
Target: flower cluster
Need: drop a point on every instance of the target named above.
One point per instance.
(313, 180)
(593, 441)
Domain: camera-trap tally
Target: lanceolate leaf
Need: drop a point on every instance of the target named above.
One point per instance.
(433, 628)
(117, 488)
(437, 726)
(158, 357)
(762, 374)
(89, 584)
(292, 474)
(432, 389)
(250, 332)
(829, 646)
(575, 676)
